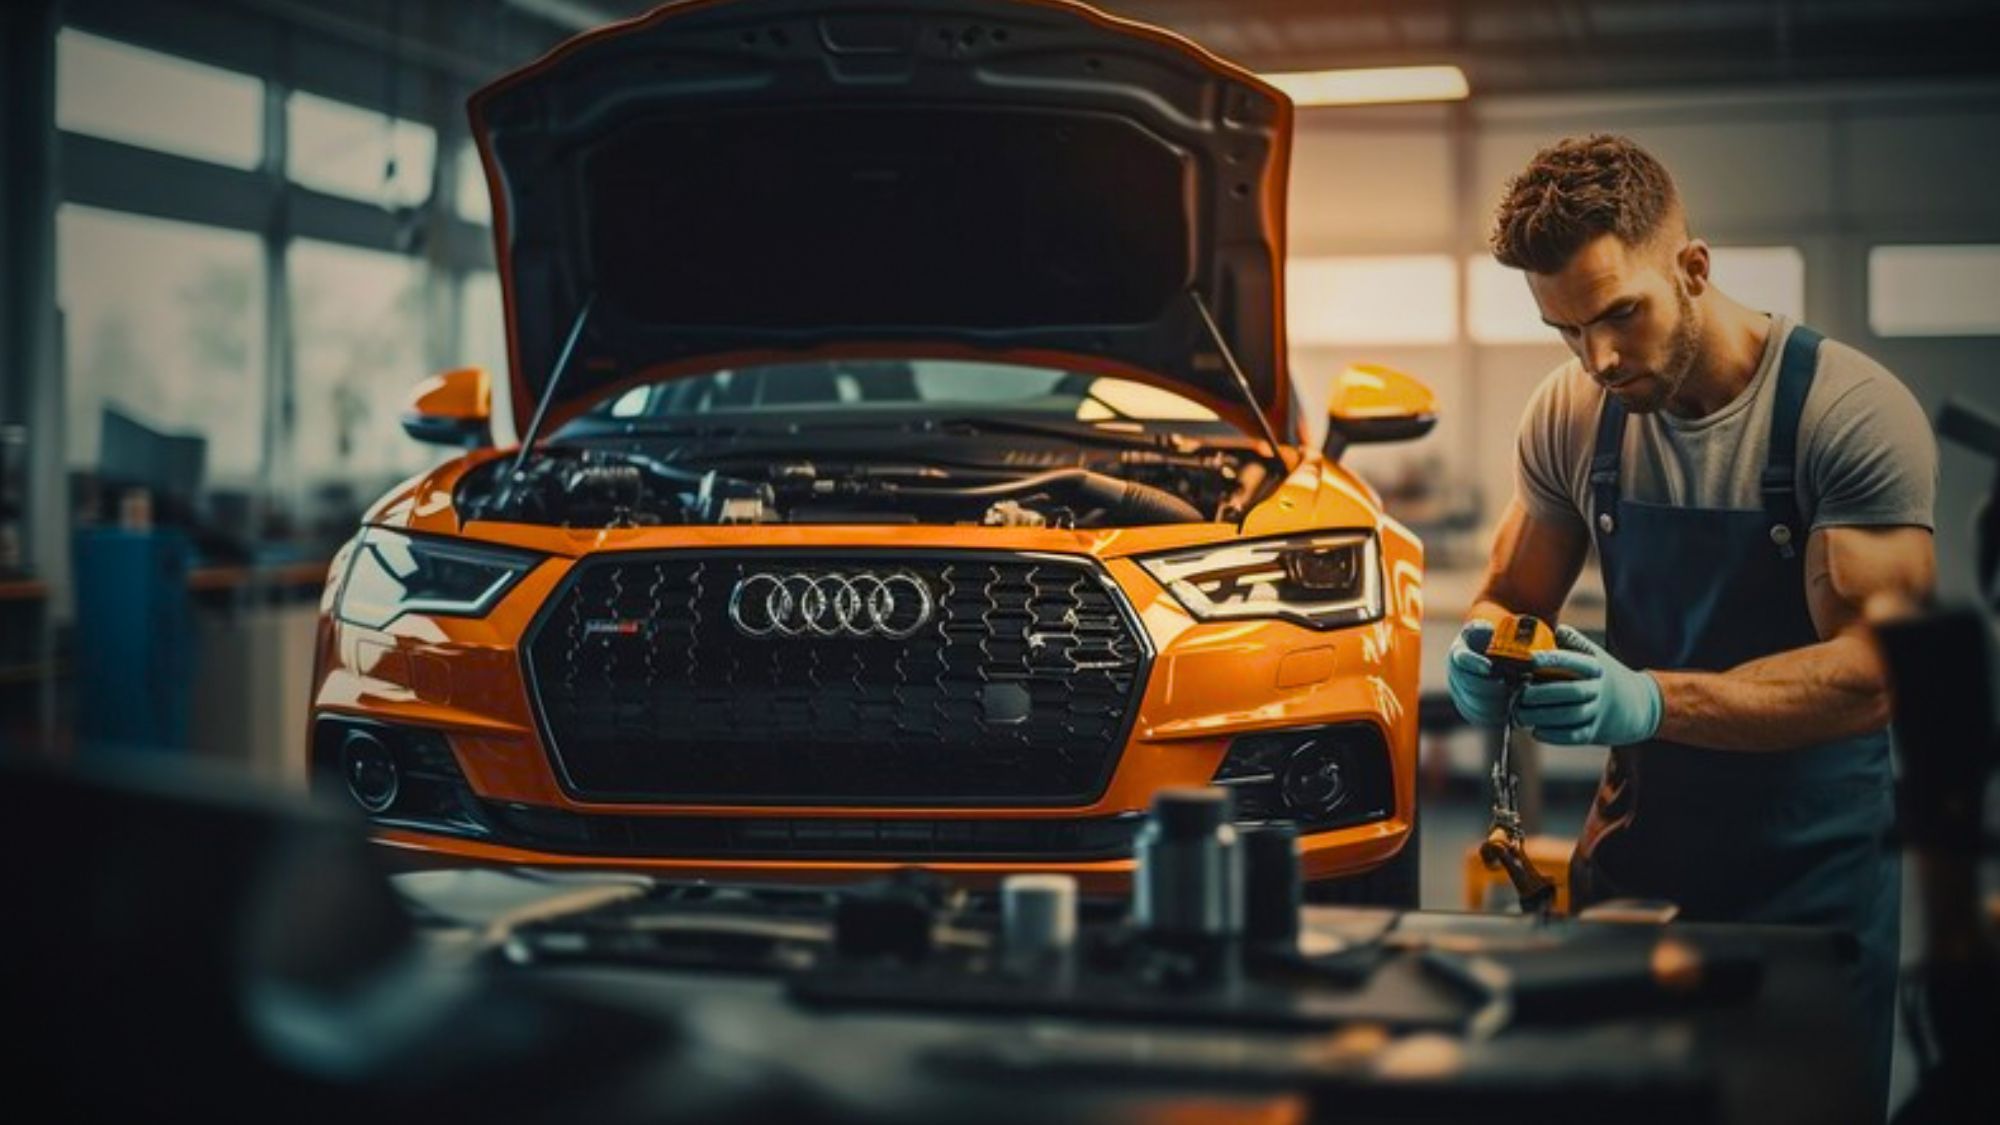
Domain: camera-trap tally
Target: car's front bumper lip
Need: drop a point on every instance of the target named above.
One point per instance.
(1335, 853)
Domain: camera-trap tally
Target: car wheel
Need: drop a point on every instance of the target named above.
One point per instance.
(1397, 883)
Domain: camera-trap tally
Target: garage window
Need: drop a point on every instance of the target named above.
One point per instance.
(113, 90)
(357, 325)
(482, 341)
(482, 323)
(1770, 279)
(1499, 306)
(1406, 299)
(165, 322)
(345, 150)
(472, 201)
(1934, 290)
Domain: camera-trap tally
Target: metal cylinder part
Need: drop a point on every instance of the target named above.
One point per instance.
(1189, 876)
(1271, 886)
(1038, 914)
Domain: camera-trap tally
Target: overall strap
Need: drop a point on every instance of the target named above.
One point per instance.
(1604, 465)
(1779, 485)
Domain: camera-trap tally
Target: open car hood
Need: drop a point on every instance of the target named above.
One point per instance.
(725, 182)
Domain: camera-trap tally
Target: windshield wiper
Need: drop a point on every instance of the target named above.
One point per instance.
(619, 430)
(1076, 431)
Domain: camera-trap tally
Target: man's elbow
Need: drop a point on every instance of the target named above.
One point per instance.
(1876, 711)
(1865, 688)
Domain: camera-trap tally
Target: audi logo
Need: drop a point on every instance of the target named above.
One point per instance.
(892, 606)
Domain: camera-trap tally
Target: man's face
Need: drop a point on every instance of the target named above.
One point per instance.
(1626, 315)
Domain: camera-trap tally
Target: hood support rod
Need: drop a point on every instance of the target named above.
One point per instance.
(1242, 384)
(555, 380)
(1236, 369)
(506, 498)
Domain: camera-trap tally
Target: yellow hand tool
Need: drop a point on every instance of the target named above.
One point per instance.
(1516, 640)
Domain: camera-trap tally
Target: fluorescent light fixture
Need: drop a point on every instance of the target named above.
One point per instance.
(1372, 86)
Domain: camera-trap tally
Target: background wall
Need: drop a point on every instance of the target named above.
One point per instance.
(1834, 171)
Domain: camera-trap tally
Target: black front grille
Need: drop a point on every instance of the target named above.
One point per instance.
(1018, 690)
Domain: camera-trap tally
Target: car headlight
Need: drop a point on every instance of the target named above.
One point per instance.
(392, 574)
(1324, 581)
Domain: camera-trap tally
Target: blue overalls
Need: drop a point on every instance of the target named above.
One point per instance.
(1793, 836)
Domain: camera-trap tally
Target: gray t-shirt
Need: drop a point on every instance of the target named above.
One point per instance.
(1866, 455)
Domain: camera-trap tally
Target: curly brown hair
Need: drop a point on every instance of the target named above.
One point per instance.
(1575, 190)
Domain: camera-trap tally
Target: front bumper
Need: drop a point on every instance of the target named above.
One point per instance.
(1322, 780)
(1209, 686)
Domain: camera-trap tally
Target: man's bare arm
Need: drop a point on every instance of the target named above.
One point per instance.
(1834, 689)
(1535, 561)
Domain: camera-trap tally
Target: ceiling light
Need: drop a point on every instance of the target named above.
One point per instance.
(1372, 86)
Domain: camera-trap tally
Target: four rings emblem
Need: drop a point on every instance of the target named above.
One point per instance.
(768, 603)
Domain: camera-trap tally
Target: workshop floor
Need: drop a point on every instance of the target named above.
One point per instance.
(1454, 818)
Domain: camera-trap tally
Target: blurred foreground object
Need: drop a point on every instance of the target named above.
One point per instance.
(195, 948)
(1940, 668)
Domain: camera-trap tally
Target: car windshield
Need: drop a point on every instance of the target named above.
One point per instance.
(859, 387)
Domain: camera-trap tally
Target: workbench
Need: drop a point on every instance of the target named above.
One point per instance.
(1782, 1054)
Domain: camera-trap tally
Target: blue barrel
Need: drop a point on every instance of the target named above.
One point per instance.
(134, 642)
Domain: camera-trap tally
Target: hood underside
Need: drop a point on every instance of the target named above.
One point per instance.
(725, 181)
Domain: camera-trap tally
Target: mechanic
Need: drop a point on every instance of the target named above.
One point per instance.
(1748, 487)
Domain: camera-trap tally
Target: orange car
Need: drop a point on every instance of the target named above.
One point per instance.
(912, 474)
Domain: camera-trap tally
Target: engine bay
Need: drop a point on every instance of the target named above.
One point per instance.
(582, 486)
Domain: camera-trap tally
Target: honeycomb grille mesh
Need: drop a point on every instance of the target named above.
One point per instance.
(1017, 690)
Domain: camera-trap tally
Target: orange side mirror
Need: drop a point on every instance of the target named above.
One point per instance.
(1373, 403)
(452, 408)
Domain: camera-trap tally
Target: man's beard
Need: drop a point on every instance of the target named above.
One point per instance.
(1683, 345)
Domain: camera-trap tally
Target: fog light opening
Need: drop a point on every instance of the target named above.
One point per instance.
(373, 779)
(1313, 784)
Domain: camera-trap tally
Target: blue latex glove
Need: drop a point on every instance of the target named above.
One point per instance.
(1608, 705)
(1480, 695)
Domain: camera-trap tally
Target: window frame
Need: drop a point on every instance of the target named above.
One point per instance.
(233, 474)
(286, 57)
